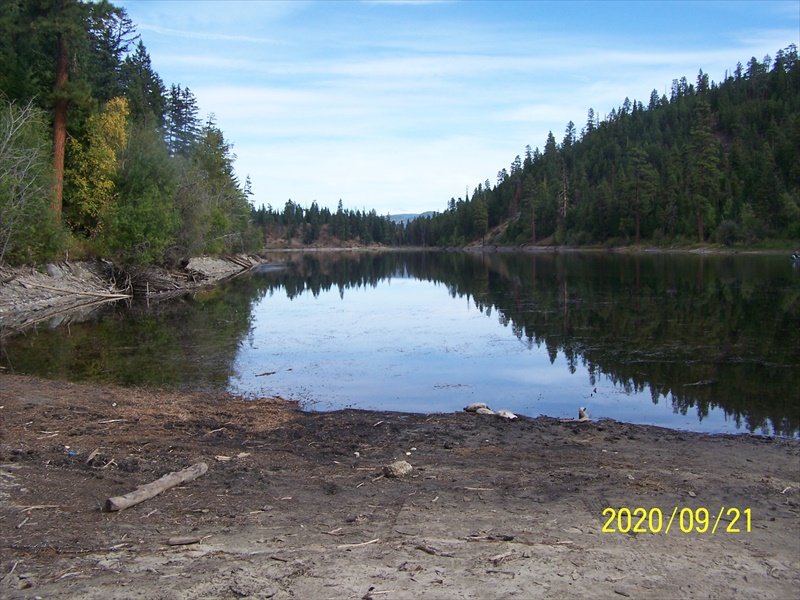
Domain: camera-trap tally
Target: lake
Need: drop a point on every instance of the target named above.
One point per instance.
(696, 342)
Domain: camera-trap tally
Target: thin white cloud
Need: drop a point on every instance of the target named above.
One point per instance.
(204, 35)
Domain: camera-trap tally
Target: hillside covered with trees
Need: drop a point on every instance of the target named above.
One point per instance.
(99, 157)
(713, 162)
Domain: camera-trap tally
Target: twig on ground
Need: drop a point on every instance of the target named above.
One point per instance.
(376, 540)
(37, 506)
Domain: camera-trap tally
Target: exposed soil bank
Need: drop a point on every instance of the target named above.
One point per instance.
(70, 291)
(294, 505)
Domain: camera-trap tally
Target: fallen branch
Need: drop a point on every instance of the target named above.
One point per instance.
(361, 544)
(186, 540)
(496, 560)
(108, 295)
(427, 549)
(149, 490)
(38, 506)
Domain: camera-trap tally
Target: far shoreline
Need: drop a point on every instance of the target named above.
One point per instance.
(543, 249)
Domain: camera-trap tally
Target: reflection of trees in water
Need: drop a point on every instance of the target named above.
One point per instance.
(190, 341)
(704, 331)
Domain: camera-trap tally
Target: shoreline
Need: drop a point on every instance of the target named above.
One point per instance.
(69, 291)
(634, 250)
(296, 504)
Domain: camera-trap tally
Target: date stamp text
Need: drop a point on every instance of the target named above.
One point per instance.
(727, 519)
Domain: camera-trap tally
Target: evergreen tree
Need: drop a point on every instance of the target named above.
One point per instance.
(703, 165)
(142, 224)
(182, 121)
(144, 88)
(642, 187)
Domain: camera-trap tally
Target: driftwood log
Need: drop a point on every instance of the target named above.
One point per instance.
(149, 490)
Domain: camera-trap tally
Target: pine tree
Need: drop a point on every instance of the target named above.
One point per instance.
(182, 122)
(143, 88)
(703, 166)
(643, 182)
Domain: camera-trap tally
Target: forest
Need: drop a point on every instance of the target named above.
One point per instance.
(711, 163)
(99, 157)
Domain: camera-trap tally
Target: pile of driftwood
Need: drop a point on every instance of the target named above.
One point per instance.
(156, 283)
(59, 293)
(153, 283)
(69, 291)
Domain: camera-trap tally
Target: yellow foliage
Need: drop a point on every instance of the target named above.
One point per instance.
(94, 163)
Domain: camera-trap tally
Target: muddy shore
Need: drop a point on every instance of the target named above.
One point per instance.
(295, 505)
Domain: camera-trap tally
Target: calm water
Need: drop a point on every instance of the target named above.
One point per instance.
(689, 342)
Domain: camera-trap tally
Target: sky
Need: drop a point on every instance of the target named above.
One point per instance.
(400, 105)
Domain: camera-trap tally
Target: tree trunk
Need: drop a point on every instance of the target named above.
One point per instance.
(637, 213)
(700, 228)
(59, 124)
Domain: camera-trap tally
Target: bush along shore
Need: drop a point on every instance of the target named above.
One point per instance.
(64, 292)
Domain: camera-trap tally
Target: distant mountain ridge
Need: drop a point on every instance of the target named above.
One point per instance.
(408, 217)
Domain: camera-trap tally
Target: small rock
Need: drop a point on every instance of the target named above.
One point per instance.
(54, 271)
(16, 582)
(108, 564)
(399, 468)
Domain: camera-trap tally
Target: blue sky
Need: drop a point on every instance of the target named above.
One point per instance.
(399, 106)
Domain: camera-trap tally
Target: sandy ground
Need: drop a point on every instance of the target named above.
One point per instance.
(294, 505)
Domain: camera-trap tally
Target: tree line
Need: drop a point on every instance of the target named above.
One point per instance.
(710, 163)
(315, 225)
(97, 155)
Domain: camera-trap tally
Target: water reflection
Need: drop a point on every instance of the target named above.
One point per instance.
(695, 342)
